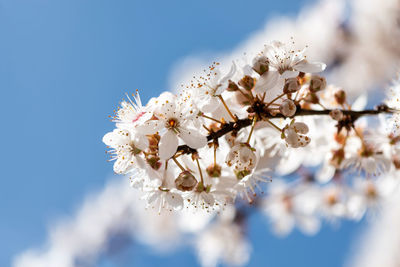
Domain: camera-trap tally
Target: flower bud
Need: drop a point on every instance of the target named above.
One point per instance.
(396, 162)
(317, 83)
(291, 85)
(287, 108)
(214, 170)
(336, 114)
(241, 99)
(331, 198)
(294, 134)
(370, 190)
(340, 138)
(337, 157)
(340, 97)
(247, 82)
(153, 141)
(185, 181)
(153, 161)
(312, 98)
(261, 65)
(242, 157)
(232, 86)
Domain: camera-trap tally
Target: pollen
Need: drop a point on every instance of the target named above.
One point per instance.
(172, 122)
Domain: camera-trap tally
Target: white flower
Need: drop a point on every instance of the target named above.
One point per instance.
(199, 198)
(164, 199)
(223, 242)
(218, 82)
(214, 192)
(364, 156)
(131, 113)
(246, 187)
(173, 121)
(286, 208)
(126, 148)
(333, 205)
(367, 194)
(211, 86)
(294, 134)
(264, 77)
(289, 62)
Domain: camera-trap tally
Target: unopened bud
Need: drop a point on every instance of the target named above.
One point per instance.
(232, 86)
(247, 82)
(153, 161)
(185, 181)
(261, 65)
(396, 162)
(370, 191)
(287, 108)
(340, 138)
(337, 157)
(153, 141)
(336, 114)
(241, 99)
(340, 97)
(312, 98)
(291, 85)
(317, 83)
(214, 170)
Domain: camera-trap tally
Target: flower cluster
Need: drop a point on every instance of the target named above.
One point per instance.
(268, 115)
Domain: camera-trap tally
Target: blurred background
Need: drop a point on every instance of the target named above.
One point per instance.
(64, 67)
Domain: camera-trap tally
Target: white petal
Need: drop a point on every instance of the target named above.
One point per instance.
(169, 110)
(208, 198)
(309, 224)
(300, 127)
(247, 70)
(284, 226)
(123, 164)
(229, 75)
(117, 137)
(141, 142)
(108, 139)
(150, 127)
(153, 196)
(267, 81)
(209, 104)
(168, 145)
(325, 173)
(304, 140)
(246, 155)
(310, 67)
(369, 164)
(289, 74)
(192, 138)
(174, 200)
(360, 103)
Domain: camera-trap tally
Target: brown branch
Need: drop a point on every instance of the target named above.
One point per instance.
(243, 123)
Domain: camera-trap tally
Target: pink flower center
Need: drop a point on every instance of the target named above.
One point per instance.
(138, 116)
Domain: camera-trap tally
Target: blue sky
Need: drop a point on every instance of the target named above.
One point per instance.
(65, 65)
